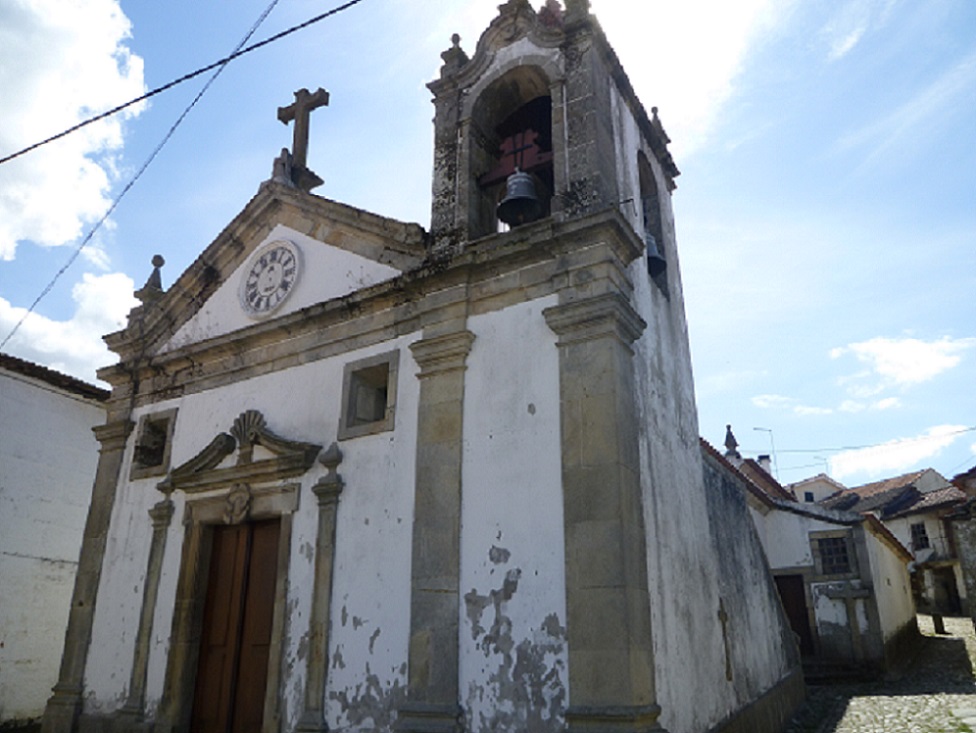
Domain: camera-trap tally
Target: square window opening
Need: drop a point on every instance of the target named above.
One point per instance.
(154, 438)
(369, 396)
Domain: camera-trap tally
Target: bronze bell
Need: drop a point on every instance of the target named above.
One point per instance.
(656, 264)
(521, 204)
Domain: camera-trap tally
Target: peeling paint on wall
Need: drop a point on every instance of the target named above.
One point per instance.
(526, 690)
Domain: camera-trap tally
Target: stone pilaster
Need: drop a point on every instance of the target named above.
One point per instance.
(432, 693)
(161, 515)
(611, 664)
(64, 706)
(327, 491)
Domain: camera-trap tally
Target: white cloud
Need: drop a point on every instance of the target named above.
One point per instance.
(102, 303)
(59, 64)
(888, 403)
(687, 61)
(895, 456)
(808, 410)
(921, 112)
(852, 406)
(772, 401)
(899, 363)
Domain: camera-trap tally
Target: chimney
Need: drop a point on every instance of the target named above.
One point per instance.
(766, 463)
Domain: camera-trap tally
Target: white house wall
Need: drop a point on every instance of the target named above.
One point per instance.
(47, 464)
(892, 587)
(327, 272)
(513, 615)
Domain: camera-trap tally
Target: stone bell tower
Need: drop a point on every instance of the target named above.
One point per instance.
(538, 96)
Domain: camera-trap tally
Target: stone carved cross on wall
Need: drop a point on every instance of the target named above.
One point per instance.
(300, 110)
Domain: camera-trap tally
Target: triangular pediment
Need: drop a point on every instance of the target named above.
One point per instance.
(337, 250)
(205, 471)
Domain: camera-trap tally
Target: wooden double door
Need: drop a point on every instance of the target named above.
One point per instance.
(232, 671)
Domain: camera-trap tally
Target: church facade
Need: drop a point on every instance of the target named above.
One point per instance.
(360, 476)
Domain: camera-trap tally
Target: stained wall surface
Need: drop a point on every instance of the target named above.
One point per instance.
(47, 464)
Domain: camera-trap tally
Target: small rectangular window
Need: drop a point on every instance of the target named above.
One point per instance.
(920, 538)
(834, 558)
(808, 497)
(369, 396)
(154, 438)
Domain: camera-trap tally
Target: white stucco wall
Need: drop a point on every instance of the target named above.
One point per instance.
(48, 456)
(372, 563)
(683, 564)
(513, 673)
(327, 272)
(892, 587)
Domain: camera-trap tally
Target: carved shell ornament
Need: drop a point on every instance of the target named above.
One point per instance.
(246, 427)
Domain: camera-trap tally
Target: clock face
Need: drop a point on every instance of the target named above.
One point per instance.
(270, 278)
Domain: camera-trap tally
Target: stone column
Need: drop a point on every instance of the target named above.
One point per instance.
(327, 490)
(432, 693)
(161, 515)
(611, 664)
(64, 706)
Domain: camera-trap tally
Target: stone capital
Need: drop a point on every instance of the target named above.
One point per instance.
(112, 435)
(161, 514)
(605, 315)
(442, 353)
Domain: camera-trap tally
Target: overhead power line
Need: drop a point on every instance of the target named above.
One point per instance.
(220, 64)
(876, 445)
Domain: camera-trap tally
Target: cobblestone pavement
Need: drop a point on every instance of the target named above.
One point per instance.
(934, 694)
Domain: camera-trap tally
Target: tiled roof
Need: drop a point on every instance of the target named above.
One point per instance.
(56, 379)
(933, 500)
(759, 476)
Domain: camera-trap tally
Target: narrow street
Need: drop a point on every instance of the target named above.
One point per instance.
(935, 694)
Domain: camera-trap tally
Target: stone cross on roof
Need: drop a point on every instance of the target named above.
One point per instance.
(299, 111)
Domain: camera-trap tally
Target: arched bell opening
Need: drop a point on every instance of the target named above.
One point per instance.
(654, 250)
(511, 152)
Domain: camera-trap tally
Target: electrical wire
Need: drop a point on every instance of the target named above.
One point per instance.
(221, 65)
(238, 52)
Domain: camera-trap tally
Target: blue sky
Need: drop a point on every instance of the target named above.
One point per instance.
(826, 211)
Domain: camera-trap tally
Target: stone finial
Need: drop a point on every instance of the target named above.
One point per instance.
(153, 289)
(551, 14)
(577, 9)
(731, 444)
(454, 57)
(658, 127)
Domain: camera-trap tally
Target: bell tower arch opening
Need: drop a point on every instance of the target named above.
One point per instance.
(510, 131)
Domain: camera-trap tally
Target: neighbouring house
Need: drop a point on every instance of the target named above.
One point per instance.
(914, 507)
(48, 456)
(842, 577)
(360, 476)
(815, 489)
(966, 481)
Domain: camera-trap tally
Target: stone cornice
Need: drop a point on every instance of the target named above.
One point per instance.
(610, 314)
(492, 271)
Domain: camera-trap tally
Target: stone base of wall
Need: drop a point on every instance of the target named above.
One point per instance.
(114, 723)
(901, 648)
(31, 725)
(772, 711)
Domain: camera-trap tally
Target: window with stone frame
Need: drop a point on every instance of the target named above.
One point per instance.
(653, 232)
(833, 553)
(369, 396)
(154, 440)
(920, 537)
